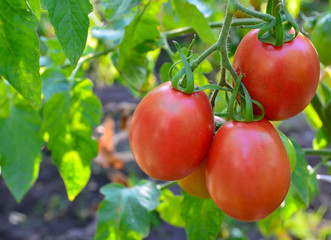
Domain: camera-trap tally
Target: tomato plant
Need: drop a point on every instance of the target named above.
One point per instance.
(46, 101)
(248, 170)
(170, 132)
(195, 183)
(321, 38)
(283, 79)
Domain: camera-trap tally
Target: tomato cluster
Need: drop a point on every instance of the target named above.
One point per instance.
(245, 166)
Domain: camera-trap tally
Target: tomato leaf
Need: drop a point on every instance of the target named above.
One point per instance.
(20, 144)
(202, 217)
(164, 72)
(169, 208)
(321, 139)
(119, 9)
(68, 121)
(313, 117)
(70, 21)
(293, 6)
(300, 175)
(35, 6)
(54, 81)
(191, 16)
(4, 101)
(125, 212)
(140, 37)
(19, 49)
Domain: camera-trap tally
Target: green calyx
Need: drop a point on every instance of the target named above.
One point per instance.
(245, 113)
(280, 29)
(183, 80)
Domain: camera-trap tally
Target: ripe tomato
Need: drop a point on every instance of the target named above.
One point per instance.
(195, 183)
(283, 79)
(170, 132)
(321, 38)
(248, 170)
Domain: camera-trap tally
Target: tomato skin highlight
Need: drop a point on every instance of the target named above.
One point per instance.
(195, 183)
(170, 132)
(283, 79)
(248, 170)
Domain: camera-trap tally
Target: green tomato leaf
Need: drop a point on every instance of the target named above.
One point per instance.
(19, 49)
(117, 9)
(289, 149)
(269, 225)
(164, 72)
(140, 37)
(321, 139)
(68, 121)
(202, 217)
(4, 101)
(54, 52)
(54, 81)
(169, 208)
(191, 16)
(293, 6)
(35, 6)
(313, 117)
(300, 175)
(70, 21)
(125, 212)
(20, 145)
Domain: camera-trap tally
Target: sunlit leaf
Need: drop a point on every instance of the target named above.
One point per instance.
(35, 6)
(125, 212)
(68, 120)
(4, 100)
(313, 117)
(293, 7)
(321, 139)
(19, 49)
(169, 208)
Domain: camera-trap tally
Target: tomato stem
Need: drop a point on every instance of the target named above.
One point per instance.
(256, 14)
(221, 83)
(235, 23)
(166, 185)
(319, 152)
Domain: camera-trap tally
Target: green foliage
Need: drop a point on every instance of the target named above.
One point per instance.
(70, 21)
(300, 175)
(44, 100)
(140, 37)
(19, 61)
(189, 14)
(68, 118)
(21, 141)
(125, 212)
(168, 208)
(202, 217)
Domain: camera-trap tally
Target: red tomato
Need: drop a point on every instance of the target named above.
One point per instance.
(170, 132)
(195, 183)
(283, 79)
(248, 170)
